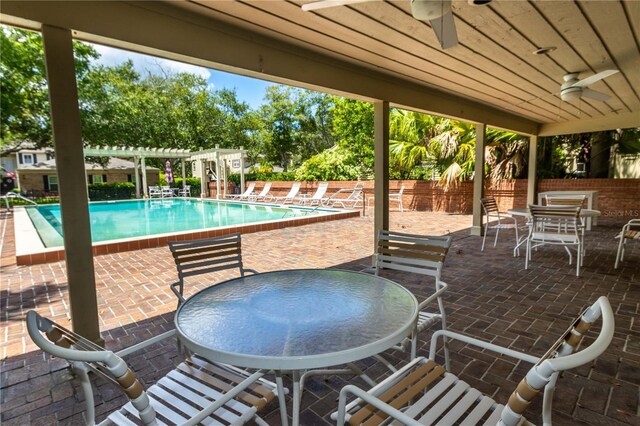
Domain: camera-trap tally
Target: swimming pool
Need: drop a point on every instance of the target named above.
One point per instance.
(133, 224)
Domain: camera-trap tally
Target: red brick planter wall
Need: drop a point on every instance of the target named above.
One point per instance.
(618, 198)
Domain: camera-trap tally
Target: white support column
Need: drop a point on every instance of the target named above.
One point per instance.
(224, 178)
(203, 178)
(381, 167)
(533, 166)
(241, 172)
(217, 176)
(478, 179)
(143, 169)
(67, 140)
(184, 174)
(136, 175)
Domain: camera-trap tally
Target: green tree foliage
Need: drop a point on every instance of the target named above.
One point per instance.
(296, 125)
(354, 134)
(24, 97)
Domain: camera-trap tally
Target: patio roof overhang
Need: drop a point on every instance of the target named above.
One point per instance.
(371, 51)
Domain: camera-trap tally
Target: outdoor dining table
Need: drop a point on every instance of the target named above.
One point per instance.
(296, 320)
(584, 214)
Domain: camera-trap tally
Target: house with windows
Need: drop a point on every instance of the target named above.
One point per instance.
(35, 171)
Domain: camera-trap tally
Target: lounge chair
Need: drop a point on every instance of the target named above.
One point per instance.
(289, 197)
(424, 393)
(197, 391)
(245, 195)
(263, 194)
(354, 199)
(316, 199)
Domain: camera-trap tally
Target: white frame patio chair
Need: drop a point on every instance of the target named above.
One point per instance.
(246, 194)
(196, 391)
(155, 191)
(419, 254)
(352, 201)
(197, 257)
(264, 193)
(424, 393)
(397, 197)
(185, 191)
(556, 225)
(167, 192)
(490, 207)
(290, 197)
(317, 198)
(627, 233)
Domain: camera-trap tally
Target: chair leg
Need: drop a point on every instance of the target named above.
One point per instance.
(517, 238)
(527, 255)
(495, 241)
(620, 252)
(484, 236)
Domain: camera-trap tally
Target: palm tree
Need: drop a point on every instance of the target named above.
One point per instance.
(454, 148)
(506, 154)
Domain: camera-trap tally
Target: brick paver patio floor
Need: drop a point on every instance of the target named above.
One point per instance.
(490, 296)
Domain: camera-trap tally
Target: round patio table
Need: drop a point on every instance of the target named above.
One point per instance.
(296, 320)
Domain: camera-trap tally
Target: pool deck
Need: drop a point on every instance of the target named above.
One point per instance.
(490, 296)
(31, 251)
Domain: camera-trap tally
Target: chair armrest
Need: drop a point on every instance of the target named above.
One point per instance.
(173, 288)
(370, 399)
(477, 342)
(252, 271)
(434, 296)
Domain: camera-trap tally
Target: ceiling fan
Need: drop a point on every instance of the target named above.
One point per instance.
(437, 12)
(572, 88)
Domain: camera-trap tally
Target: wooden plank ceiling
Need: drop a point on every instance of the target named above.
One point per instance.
(494, 61)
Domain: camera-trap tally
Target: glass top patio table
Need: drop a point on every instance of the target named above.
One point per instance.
(297, 319)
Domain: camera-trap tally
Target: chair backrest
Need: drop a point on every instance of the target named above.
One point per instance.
(561, 357)
(422, 254)
(265, 190)
(322, 189)
(565, 200)
(250, 189)
(490, 206)
(198, 257)
(552, 216)
(85, 355)
(294, 190)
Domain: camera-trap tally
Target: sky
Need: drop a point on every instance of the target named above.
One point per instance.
(249, 90)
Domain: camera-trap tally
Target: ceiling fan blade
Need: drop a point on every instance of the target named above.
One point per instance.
(331, 3)
(445, 29)
(596, 77)
(593, 94)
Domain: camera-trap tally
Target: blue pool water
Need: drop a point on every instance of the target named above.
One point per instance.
(141, 218)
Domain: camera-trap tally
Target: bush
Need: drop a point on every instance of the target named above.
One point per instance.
(39, 200)
(112, 191)
(193, 182)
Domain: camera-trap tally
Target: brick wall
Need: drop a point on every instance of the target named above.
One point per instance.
(618, 198)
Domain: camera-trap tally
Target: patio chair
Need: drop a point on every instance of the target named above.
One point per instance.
(352, 201)
(317, 198)
(197, 257)
(196, 391)
(491, 211)
(185, 191)
(630, 231)
(263, 194)
(155, 192)
(419, 254)
(566, 200)
(167, 192)
(424, 393)
(397, 197)
(245, 195)
(556, 225)
(289, 198)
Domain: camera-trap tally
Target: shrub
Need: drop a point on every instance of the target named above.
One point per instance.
(193, 182)
(112, 191)
(39, 200)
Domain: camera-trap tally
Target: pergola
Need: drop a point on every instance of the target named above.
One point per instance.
(370, 51)
(217, 155)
